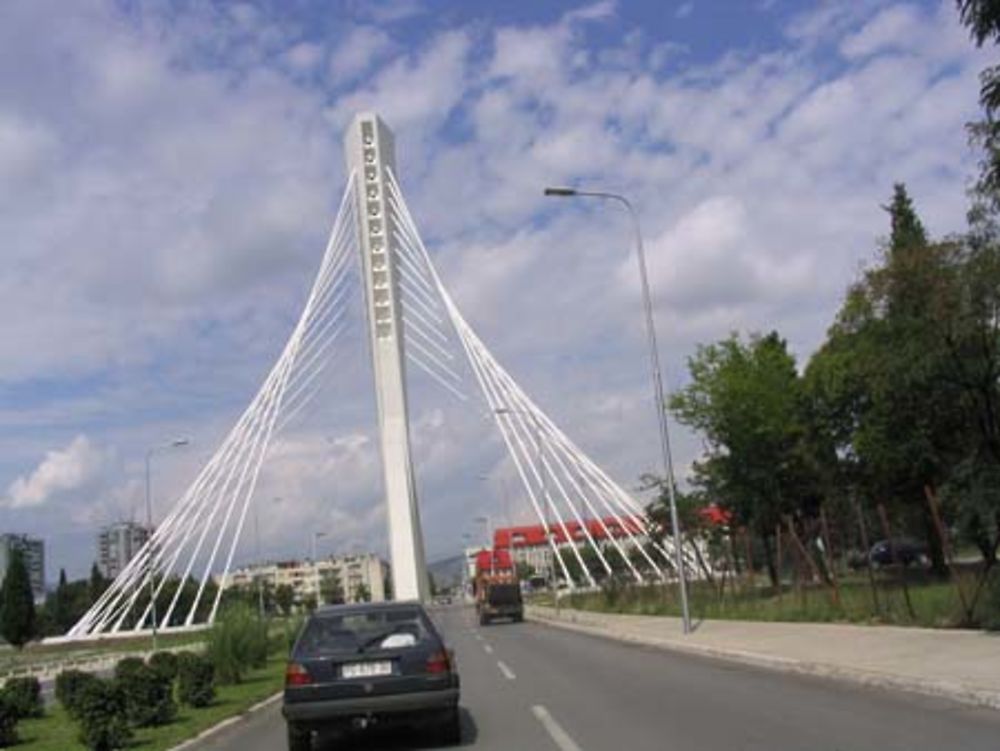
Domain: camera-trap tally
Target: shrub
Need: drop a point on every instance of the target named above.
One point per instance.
(69, 686)
(128, 665)
(164, 663)
(238, 640)
(8, 721)
(25, 696)
(148, 694)
(102, 716)
(283, 640)
(195, 679)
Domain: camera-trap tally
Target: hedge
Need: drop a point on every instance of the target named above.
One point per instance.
(102, 716)
(70, 685)
(149, 698)
(195, 679)
(25, 695)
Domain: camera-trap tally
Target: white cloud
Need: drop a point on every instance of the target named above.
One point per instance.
(359, 52)
(684, 10)
(304, 55)
(598, 11)
(894, 28)
(415, 93)
(61, 471)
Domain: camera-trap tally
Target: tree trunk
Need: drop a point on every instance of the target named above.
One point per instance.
(772, 570)
(935, 550)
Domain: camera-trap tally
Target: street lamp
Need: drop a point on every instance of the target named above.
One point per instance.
(259, 564)
(489, 529)
(178, 443)
(544, 493)
(658, 390)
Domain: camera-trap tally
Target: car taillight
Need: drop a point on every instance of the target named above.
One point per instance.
(438, 662)
(296, 675)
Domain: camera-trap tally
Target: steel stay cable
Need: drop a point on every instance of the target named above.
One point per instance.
(550, 504)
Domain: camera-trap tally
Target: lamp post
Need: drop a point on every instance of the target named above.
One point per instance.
(315, 562)
(259, 564)
(178, 443)
(658, 390)
(315, 537)
(485, 520)
(544, 493)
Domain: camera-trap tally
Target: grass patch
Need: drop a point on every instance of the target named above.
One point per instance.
(57, 732)
(935, 603)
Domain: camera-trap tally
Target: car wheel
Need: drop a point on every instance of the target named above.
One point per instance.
(449, 732)
(299, 739)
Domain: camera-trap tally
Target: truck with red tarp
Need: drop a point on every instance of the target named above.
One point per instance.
(497, 590)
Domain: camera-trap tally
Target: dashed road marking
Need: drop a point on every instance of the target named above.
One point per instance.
(488, 648)
(561, 737)
(507, 672)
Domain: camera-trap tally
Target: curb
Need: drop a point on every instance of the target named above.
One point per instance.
(957, 692)
(229, 721)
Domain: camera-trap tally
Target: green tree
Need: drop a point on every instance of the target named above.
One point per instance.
(17, 604)
(745, 399)
(61, 611)
(362, 593)
(331, 592)
(883, 391)
(284, 598)
(98, 583)
(982, 18)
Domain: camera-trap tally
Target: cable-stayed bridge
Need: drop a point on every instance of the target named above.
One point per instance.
(412, 321)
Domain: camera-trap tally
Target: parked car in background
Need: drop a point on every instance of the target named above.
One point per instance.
(370, 663)
(907, 552)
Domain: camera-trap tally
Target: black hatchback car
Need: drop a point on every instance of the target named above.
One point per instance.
(355, 665)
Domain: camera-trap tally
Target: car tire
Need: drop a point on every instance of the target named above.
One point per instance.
(449, 731)
(299, 739)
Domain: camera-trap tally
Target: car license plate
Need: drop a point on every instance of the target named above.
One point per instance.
(366, 669)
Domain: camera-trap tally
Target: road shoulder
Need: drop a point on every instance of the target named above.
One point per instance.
(955, 665)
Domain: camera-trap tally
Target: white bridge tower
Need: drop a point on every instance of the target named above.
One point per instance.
(370, 151)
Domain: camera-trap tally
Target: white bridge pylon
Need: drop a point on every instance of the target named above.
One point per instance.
(198, 538)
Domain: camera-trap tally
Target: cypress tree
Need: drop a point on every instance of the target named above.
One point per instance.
(18, 623)
(61, 610)
(97, 583)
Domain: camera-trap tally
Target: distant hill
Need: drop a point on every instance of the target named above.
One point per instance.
(447, 572)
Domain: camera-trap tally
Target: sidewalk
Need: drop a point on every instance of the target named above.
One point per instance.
(955, 664)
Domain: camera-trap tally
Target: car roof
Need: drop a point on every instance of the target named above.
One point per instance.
(366, 607)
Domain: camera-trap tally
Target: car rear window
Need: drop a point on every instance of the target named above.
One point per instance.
(362, 632)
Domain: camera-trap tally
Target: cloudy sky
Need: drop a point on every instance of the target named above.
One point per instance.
(169, 170)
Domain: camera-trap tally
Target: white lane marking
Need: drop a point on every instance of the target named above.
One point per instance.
(507, 672)
(479, 636)
(488, 648)
(561, 737)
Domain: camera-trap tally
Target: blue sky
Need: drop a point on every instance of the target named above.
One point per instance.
(168, 172)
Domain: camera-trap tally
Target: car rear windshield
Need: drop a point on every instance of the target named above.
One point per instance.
(362, 632)
(504, 594)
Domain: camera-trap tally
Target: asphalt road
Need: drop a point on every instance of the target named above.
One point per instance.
(528, 686)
